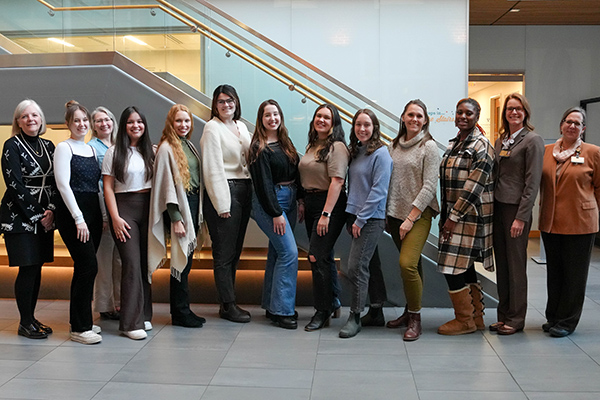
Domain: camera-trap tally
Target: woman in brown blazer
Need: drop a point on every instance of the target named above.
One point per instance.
(570, 199)
(517, 173)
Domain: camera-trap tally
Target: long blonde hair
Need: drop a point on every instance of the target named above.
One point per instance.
(170, 136)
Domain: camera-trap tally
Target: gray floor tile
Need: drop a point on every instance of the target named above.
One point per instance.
(251, 393)
(472, 363)
(75, 371)
(457, 380)
(23, 352)
(263, 377)
(148, 391)
(363, 362)
(362, 385)
(98, 354)
(49, 389)
(474, 395)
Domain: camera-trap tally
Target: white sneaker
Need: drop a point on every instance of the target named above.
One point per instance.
(147, 325)
(96, 329)
(137, 334)
(87, 337)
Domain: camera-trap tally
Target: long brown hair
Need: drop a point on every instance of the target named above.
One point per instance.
(374, 142)
(170, 136)
(122, 143)
(402, 130)
(526, 107)
(335, 135)
(259, 139)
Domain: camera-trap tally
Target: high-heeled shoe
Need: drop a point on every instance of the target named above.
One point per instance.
(318, 321)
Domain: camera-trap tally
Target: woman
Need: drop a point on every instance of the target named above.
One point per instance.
(323, 173)
(466, 218)
(127, 176)
(274, 167)
(570, 198)
(107, 287)
(412, 204)
(228, 196)
(27, 210)
(368, 182)
(176, 189)
(78, 218)
(517, 170)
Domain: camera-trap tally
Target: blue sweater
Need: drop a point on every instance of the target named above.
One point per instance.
(368, 182)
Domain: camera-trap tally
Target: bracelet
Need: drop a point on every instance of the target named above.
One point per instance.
(408, 218)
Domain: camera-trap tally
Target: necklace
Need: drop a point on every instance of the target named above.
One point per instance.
(39, 153)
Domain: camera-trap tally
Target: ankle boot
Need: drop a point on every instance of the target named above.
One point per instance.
(414, 327)
(318, 321)
(463, 312)
(401, 321)
(478, 305)
(233, 313)
(352, 327)
(374, 317)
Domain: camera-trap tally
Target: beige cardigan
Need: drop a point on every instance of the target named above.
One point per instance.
(166, 189)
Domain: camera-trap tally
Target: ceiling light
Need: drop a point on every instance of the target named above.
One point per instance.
(55, 40)
(136, 40)
(515, 10)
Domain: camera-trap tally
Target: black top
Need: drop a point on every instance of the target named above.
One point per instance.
(270, 168)
(85, 174)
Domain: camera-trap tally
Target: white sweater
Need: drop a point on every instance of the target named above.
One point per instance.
(223, 157)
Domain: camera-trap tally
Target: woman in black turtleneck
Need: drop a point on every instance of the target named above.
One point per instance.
(27, 210)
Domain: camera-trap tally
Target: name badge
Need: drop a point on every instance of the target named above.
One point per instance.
(504, 153)
(577, 160)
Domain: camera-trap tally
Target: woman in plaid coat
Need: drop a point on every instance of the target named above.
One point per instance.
(466, 218)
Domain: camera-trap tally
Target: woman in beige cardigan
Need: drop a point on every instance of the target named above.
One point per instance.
(176, 189)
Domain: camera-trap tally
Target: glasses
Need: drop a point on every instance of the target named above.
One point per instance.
(229, 101)
(571, 122)
(517, 109)
(105, 120)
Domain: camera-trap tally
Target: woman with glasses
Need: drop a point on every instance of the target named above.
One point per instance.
(517, 170)
(107, 287)
(570, 200)
(228, 195)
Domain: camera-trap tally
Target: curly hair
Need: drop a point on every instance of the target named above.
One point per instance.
(259, 139)
(336, 134)
(169, 135)
(375, 140)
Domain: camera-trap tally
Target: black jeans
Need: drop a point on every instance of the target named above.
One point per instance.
(567, 264)
(321, 246)
(85, 265)
(227, 235)
(179, 290)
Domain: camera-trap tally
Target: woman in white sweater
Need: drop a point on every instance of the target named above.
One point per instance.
(412, 204)
(79, 219)
(228, 196)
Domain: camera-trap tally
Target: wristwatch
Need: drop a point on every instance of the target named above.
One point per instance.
(326, 214)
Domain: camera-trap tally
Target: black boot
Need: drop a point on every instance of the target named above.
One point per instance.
(233, 313)
(374, 317)
(318, 321)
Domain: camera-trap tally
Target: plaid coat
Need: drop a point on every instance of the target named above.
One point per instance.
(467, 198)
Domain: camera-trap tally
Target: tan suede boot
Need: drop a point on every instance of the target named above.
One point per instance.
(463, 311)
(478, 305)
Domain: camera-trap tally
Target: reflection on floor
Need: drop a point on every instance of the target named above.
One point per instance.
(224, 360)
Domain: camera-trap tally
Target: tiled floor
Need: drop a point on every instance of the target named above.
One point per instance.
(224, 360)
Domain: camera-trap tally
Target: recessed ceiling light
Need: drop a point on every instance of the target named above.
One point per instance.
(136, 40)
(55, 40)
(515, 10)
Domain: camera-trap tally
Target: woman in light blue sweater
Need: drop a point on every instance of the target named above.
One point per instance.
(368, 180)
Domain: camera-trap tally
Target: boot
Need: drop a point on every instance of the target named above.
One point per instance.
(318, 321)
(233, 313)
(478, 305)
(463, 312)
(352, 327)
(401, 321)
(374, 317)
(414, 327)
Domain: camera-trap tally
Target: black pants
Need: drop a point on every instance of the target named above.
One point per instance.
(85, 265)
(457, 282)
(567, 264)
(227, 235)
(321, 247)
(179, 290)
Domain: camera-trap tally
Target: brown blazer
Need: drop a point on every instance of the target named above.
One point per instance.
(570, 202)
(517, 177)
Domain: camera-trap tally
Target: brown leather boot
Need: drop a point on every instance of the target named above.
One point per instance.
(463, 312)
(478, 305)
(400, 322)
(414, 327)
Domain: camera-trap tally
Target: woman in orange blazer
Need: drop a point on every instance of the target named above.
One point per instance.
(570, 200)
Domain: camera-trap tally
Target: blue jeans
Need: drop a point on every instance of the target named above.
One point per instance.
(281, 271)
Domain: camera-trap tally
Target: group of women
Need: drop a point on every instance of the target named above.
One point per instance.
(150, 197)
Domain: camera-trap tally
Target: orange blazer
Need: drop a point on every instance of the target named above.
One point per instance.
(569, 202)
